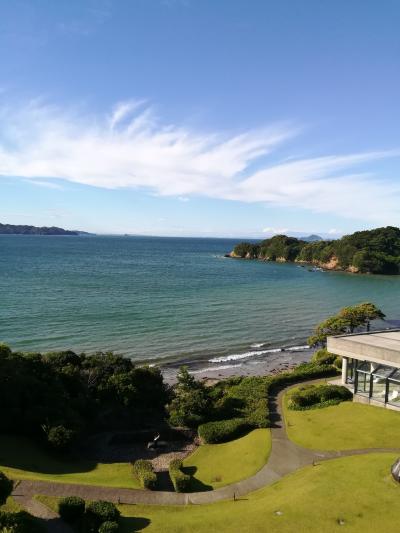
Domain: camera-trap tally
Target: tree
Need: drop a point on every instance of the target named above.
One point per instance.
(191, 401)
(346, 321)
(6, 487)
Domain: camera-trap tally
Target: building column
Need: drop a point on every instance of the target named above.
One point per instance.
(344, 369)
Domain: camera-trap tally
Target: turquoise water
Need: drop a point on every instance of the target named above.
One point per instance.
(166, 298)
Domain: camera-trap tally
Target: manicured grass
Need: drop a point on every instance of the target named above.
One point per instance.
(11, 506)
(356, 490)
(345, 426)
(216, 465)
(22, 459)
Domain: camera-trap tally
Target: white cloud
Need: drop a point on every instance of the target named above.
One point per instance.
(334, 231)
(131, 148)
(276, 231)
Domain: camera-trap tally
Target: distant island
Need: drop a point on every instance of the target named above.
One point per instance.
(10, 229)
(311, 238)
(374, 251)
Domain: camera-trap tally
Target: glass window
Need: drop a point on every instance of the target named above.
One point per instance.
(363, 382)
(350, 370)
(379, 380)
(394, 388)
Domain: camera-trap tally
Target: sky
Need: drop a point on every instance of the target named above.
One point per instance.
(226, 118)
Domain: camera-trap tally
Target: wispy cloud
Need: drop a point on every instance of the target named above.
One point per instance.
(275, 231)
(130, 147)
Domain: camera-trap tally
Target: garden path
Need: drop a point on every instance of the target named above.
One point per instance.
(285, 457)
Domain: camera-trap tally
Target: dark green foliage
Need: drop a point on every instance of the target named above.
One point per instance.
(313, 396)
(241, 397)
(303, 372)
(143, 472)
(60, 438)
(180, 480)
(21, 522)
(247, 250)
(223, 430)
(191, 403)
(99, 512)
(71, 509)
(6, 487)
(10, 229)
(347, 320)
(40, 394)
(323, 357)
(109, 527)
(374, 251)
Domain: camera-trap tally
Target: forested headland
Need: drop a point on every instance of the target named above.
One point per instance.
(374, 251)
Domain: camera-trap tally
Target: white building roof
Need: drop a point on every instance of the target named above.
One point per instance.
(380, 346)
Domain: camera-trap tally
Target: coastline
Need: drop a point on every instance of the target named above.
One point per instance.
(259, 363)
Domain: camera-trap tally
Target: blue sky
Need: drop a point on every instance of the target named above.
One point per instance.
(200, 117)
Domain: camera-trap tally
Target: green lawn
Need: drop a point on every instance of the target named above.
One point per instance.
(11, 506)
(356, 490)
(22, 459)
(216, 465)
(345, 426)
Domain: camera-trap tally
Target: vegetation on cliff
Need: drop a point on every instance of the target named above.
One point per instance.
(374, 251)
(10, 229)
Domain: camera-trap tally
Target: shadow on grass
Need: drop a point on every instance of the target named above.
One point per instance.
(195, 484)
(133, 524)
(24, 454)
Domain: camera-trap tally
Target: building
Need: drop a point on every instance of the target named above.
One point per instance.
(371, 366)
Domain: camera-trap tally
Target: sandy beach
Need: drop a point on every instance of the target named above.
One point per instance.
(271, 363)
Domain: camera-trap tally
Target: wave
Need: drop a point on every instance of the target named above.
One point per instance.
(297, 348)
(255, 353)
(257, 345)
(214, 368)
(235, 356)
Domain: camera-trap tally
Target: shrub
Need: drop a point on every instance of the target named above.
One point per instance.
(6, 487)
(313, 396)
(60, 438)
(71, 508)
(108, 527)
(303, 372)
(223, 430)
(323, 357)
(21, 522)
(180, 480)
(99, 512)
(143, 471)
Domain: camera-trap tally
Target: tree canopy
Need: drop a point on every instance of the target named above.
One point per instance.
(347, 320)
(374, 251)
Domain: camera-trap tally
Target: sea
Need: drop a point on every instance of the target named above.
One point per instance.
(168, 301)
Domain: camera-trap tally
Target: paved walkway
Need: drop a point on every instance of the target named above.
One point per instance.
(286, 457)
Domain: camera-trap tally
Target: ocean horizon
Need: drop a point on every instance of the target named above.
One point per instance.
(167, 300)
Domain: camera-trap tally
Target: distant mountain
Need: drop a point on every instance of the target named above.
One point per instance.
(10, 229)
(311, 238)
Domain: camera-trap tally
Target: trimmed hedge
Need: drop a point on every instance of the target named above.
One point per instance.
(223, 430)
(71, 508)
(180, 480)
(317, 396)
(99, 512)
(143, 471)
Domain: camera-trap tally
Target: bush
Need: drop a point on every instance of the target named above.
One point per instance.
(21, 522)
(323, 357)
(99, 512)
(6, 487)
(109, 527)
(143, 471)
(223, 430)
(60, 438)
(302, 373)
(71, 508)
(180, 480)
(313, 396)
